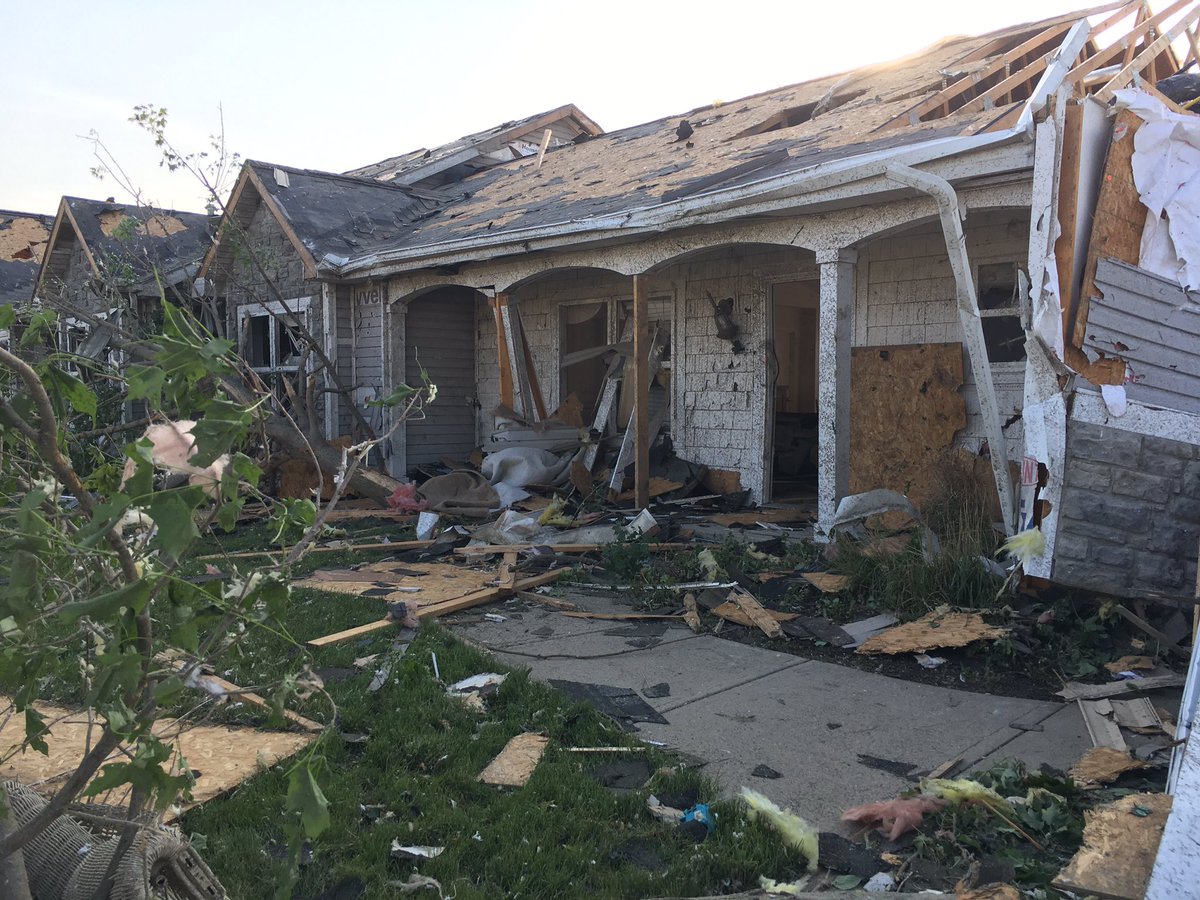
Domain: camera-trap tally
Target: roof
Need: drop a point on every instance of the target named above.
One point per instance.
(483, 149)
(325, 214)
(960, 86)
(23, 240)
(132, 244)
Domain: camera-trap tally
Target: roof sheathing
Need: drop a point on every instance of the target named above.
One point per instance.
(23, 240)
(647, 165)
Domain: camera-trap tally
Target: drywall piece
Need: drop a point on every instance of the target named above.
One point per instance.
(514, 765)
(907, 409)
(224, 757)
(1103, 765)
(931, 632)
(1119, 845)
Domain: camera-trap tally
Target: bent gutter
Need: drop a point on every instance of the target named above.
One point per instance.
(968, 315)
(820, 177)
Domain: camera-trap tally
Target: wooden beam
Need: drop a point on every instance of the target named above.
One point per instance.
(498, 304)
(233, 692)
(535, 387)
(284, 551)
(498, 549)
(967, 82)
(445, 607)
(641, 392)
(1147, 56)
(1105, 56)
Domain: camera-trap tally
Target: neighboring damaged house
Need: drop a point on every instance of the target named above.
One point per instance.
(114, 262)
(23, 240)
(283, 222)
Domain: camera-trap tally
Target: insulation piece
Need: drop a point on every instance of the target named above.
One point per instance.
(1120, 842)
(931, 632)
(514, 765)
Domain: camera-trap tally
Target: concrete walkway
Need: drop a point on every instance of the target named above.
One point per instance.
(737, 707)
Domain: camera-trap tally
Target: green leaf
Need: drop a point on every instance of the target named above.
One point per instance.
(224, 424)
(35, 729)
(134, 596)
(847, 882)
(104, 517)
(397, 397)
(80, 397)
(172, 515)
(20, 597)
(8, 315)
(304, 797)
(145, 383)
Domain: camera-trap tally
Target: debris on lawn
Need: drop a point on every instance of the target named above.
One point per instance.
(621, 704)
(1103, 765)
(931, 632)
(1120, 842)
(668, 814)
(400, 851)
(697, 822)
(514, 765)
(793, 829)
(476, 690)
(894, 818)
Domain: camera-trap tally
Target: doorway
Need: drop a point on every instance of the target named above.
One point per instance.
(792, 398)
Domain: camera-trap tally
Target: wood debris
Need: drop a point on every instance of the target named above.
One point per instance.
(827, 582)
(772, 516)
(1098, 717)
(221, 757)
(691, 614)
(1103, 765)
(931, 632)
(658, 487)
(621, 617)
(1120, 842)
(743, 609)
(1130, 664)
(514, 765)
(990, 892)
(418, 584)
(1074, 690)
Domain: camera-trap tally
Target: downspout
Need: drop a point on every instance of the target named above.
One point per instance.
(972, 326)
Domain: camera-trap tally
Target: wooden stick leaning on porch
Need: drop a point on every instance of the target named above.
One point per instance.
(443, 608)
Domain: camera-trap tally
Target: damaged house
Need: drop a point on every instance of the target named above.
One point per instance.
(23, 240)
(112, 263)
(777, 281)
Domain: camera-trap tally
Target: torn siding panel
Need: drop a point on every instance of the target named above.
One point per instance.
(369, 302)
(1153, 325)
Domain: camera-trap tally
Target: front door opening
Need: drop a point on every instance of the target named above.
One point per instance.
(794, 397)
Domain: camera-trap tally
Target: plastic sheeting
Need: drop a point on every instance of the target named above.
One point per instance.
(1166, 158)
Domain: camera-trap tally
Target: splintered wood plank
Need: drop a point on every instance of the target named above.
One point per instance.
(753, 517)
(658, 487)
(439, 609)
(765, 621)
(1120, 842)
(621, 617)
(1073, 690)
(419, 584)
(932, 632)
(514, 765)
(1119, 218)
(235, 693)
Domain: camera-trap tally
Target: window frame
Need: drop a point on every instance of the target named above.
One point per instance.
(272, 311)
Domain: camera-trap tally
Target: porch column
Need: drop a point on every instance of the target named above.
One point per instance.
(641, 393)
(833, 381)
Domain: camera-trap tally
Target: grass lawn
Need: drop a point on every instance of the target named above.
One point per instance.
(561, 835)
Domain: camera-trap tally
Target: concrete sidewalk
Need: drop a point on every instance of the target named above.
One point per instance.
(737, 707)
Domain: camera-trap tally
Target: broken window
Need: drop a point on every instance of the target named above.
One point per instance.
(999, 294)
(269, 341)
(582, 343)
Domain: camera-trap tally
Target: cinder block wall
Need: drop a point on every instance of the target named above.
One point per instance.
(1130, 517)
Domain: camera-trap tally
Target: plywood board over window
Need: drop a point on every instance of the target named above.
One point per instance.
(905, 408)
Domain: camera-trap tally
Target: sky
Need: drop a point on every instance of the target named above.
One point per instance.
(334, 86)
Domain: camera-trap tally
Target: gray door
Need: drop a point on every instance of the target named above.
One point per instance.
(439, 335)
